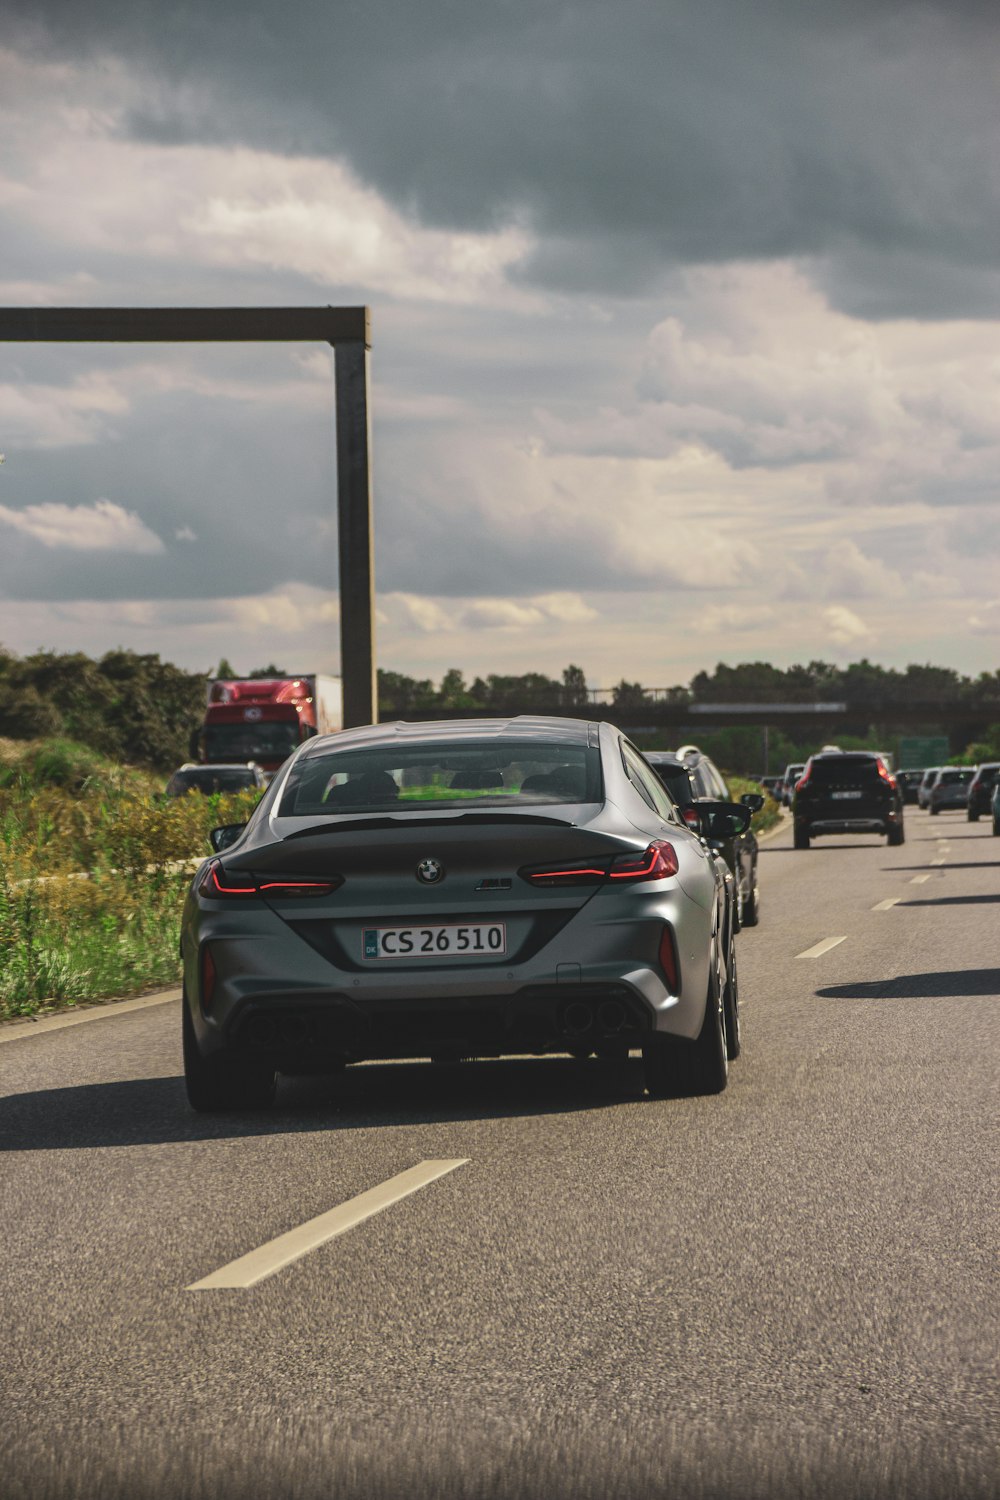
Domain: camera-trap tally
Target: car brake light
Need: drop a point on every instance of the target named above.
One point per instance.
(299, 887)
(219, 884)
(690, 816)
(885, 774)
(657, 863)
(585, 872)
(668, 960)
(803, 780)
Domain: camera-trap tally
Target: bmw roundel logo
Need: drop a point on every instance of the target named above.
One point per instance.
(430, 871)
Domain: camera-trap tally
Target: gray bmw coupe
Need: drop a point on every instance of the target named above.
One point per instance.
(461, 889)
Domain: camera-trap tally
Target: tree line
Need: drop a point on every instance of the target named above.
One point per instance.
(140, 709)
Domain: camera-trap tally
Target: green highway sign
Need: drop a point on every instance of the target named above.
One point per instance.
(917, 751)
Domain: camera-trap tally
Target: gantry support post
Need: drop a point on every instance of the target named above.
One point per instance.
(347, 329)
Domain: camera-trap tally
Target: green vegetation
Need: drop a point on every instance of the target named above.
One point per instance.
(90, 886)
(129, 707)
(770, 813)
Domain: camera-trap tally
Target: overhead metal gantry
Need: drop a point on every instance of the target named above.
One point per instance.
(348, 330)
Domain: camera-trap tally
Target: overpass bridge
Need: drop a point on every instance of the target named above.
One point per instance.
(813, 721)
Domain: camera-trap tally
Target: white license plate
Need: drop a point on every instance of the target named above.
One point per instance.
(453, 940)
(846, 794)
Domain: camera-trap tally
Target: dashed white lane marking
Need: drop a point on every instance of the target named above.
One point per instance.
(818, 949)
(939, 861)
(281, 1252)
(919, 879)
(885, 905)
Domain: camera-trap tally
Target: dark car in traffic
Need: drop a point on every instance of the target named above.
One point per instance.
(909, 784)
(981, 790)
(468, 888)
(240, 776)
(692, 778)
(846, 791)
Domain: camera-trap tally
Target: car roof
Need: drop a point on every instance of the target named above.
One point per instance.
(533, 727)
(217, 765)
(842, 755)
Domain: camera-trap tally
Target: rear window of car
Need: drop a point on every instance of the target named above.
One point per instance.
(857, 769)
(950, 778)
(210, 780)
(676, 779)
(463, 774)
(986, 775)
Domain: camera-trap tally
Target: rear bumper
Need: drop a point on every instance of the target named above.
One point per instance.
(848, 825)
(300, 1036)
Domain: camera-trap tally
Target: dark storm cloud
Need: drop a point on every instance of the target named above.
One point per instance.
(629, 138)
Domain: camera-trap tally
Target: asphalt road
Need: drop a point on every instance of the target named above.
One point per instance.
(790, 1289)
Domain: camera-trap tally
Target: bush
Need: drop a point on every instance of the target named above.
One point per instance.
(94, 869)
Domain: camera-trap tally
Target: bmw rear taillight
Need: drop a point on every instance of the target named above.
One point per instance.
(803, 781)
(583, 872)
(220, 884)
(657, 863)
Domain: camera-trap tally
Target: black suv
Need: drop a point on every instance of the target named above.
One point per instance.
(690, 778)
(981, 790)
(846, 791)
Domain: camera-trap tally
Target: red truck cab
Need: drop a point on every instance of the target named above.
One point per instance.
(264, 719)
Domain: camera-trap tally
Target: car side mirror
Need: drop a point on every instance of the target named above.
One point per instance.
(224, 838)
(753, 800)
(723, 820)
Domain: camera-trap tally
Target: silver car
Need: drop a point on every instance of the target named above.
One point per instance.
(461, 889)
(924, 789)
(950, 788)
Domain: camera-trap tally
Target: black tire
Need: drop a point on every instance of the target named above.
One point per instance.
(676, 1068)
(731, 1005)
(223, 1082)
(933, 810)
(751, 907)
(896, 836)
(996, 829)
(801, 836)
(973, 817)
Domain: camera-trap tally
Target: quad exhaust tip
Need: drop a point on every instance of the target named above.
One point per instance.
(605, 1019)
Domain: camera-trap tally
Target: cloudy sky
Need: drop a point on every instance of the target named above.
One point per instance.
(685, 329)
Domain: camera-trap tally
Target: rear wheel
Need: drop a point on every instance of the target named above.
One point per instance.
(895, 836)
(223, 1082)
(801, 836)
(973, 817)
(675, 1067)
(731, 1005)
(751, 906)
(933, 810)
(996, 828)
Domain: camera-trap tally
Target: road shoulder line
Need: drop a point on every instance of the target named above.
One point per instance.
(16, 1031)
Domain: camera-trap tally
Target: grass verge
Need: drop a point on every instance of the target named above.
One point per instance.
(90, 899)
